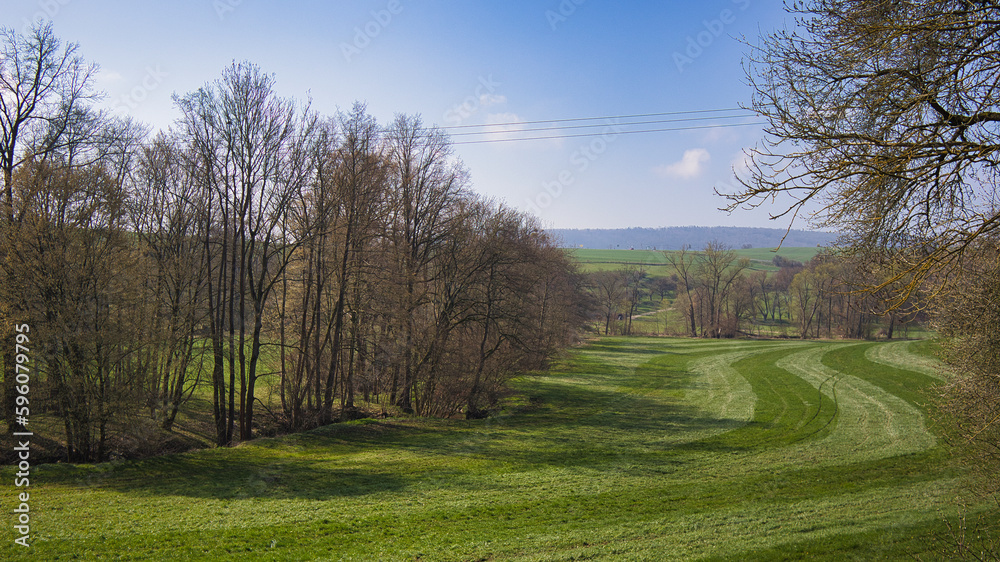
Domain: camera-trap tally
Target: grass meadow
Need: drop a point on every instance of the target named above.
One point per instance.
(628, 449)
(655, 263)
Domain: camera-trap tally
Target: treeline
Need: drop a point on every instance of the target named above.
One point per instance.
(717, 295)
(336, 259)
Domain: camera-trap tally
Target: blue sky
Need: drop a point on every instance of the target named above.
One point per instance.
(473, 63)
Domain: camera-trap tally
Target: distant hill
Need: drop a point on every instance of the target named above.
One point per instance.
(674, 237)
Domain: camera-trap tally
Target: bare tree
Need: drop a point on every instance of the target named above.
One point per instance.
(684, 263)
(251, 144)
(967, 325)
(717, 271)
(806, 297)
(304, 324)
(499, 312)
(883, 116)
(167, 214)
(609, 287)
(634, 277)
(427, 187)
(359, 180)
(44, 86)
(79, 299)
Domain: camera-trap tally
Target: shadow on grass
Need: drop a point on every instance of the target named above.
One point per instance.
(580, 425)
(634, 348)
(599, 422)
(238, 473)
(299, 466)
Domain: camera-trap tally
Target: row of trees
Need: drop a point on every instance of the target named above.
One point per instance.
(717, 294)
(333, 260)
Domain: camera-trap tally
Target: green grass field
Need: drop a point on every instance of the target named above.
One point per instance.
(656, 264)
(630, 449)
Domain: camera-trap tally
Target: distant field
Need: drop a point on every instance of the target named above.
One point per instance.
(656, 264)
(767, 254)
(629, 449)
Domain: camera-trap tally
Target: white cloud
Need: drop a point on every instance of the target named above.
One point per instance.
(109, 79)
(486, 100)
(689, 166)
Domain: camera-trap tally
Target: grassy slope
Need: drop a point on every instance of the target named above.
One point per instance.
(631, 449)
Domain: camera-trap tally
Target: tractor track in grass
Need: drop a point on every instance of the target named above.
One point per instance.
(819, 400)
(871, 422)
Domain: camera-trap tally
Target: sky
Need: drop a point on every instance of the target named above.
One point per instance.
(498, 72)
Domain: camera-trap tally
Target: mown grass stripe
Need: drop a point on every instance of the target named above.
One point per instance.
(721, 389)
(871, 422)
(899, 355)
(789, 409)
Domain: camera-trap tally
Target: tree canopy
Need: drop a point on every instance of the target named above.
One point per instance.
(883, 123)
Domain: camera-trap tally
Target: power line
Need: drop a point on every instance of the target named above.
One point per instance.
(607, 117)
(616, 124)
(613, 133)
(569, 127)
